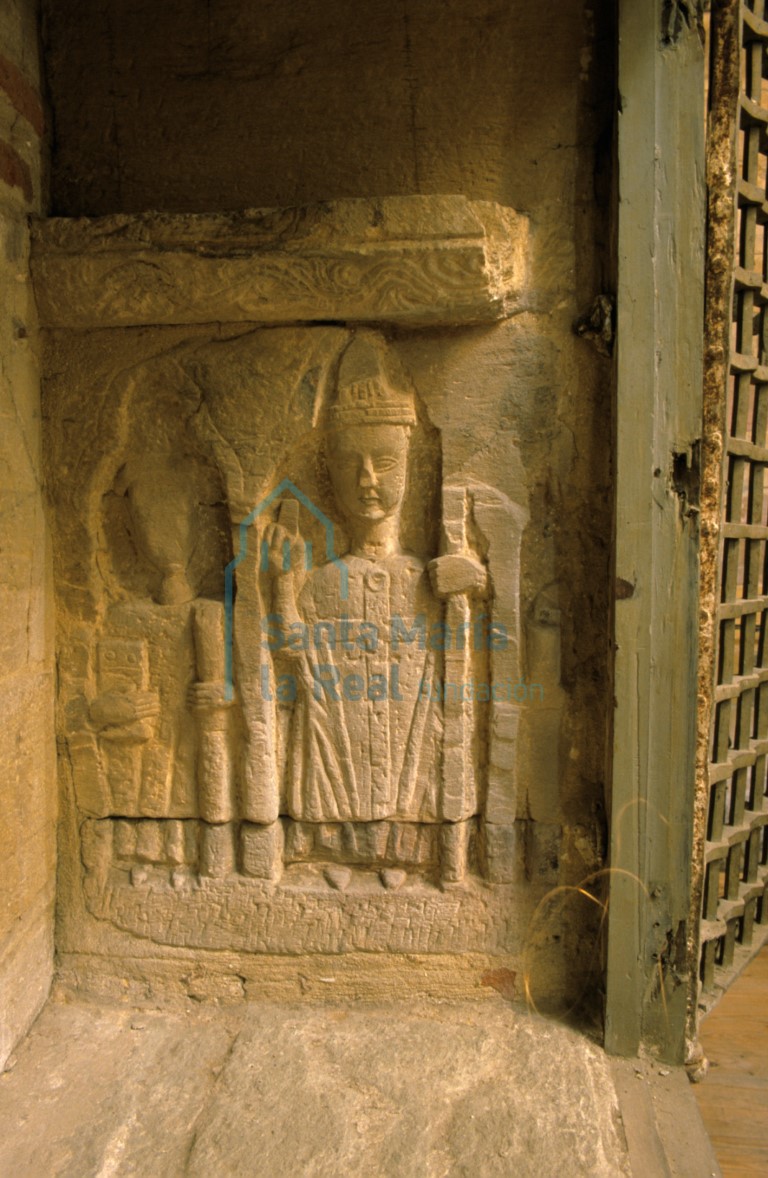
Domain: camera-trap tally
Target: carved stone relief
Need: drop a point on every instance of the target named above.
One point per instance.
(410, 260)
(289, 643)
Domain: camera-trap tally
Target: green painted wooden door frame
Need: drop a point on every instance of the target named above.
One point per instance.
(659, 348)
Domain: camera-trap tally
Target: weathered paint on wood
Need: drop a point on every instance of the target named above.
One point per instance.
(658, 424)
(721, 174)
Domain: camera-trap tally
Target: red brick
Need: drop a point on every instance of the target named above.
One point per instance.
(23, 96)
(14, 172)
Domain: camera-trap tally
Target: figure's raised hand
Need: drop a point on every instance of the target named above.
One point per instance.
(285, 553)
(284, 545)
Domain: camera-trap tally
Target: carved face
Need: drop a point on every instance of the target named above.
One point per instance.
(367, 465)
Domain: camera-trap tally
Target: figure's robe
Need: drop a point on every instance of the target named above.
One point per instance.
(375, 751)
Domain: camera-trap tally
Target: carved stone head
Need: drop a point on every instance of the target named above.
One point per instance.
(370, 427)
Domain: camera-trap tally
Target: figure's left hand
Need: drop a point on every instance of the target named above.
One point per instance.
(458, 574)
(116, 709)
(204, 695)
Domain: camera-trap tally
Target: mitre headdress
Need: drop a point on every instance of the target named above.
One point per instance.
(366, 394)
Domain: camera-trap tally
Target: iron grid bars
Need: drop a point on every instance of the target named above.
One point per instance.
(736, 850)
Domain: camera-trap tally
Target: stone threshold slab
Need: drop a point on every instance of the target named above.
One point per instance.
(417, 1090)
(414, 261)
(422, 1090)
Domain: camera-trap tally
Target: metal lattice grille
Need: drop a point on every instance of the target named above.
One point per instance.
(736, 873)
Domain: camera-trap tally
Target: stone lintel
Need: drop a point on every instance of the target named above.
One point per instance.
(416, 260)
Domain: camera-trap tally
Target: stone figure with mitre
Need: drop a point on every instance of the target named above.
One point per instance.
(367, 738)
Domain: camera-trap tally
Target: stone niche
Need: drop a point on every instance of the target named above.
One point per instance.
(298, 687)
